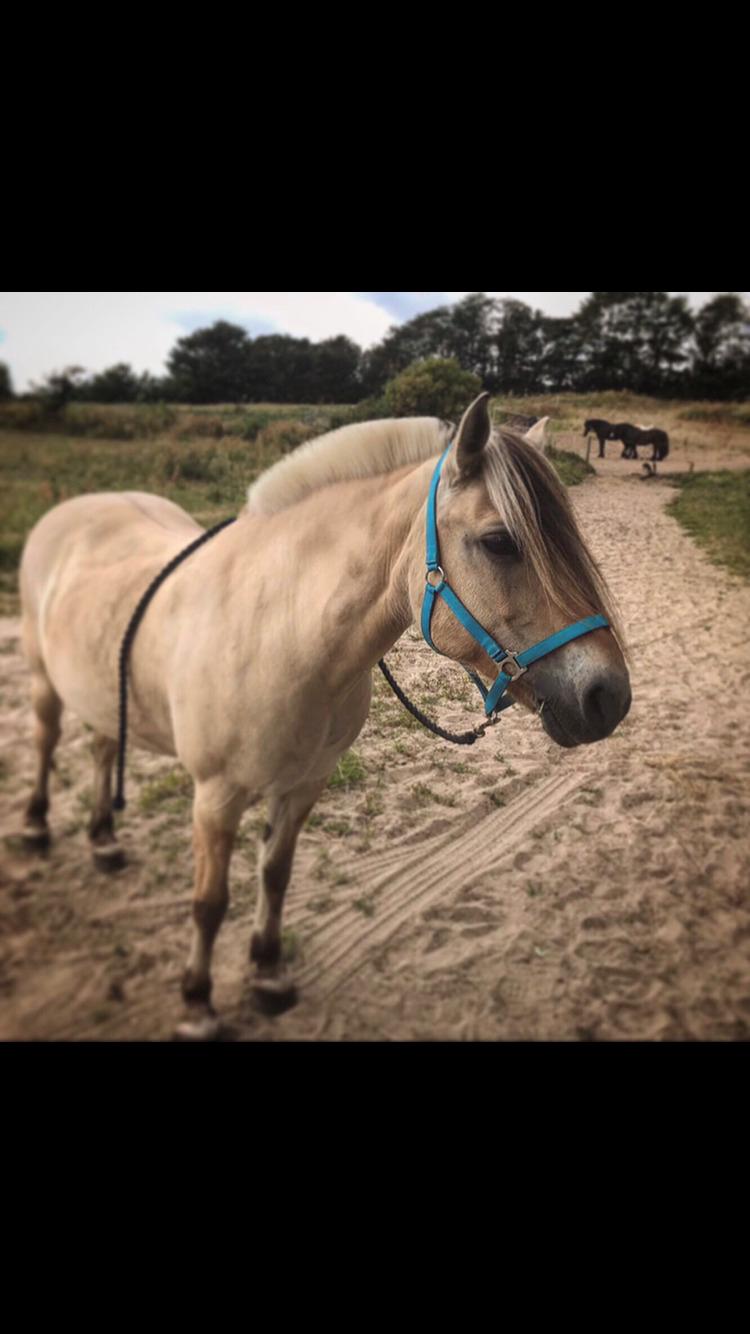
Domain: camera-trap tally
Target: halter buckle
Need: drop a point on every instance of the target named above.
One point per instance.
(512, 667)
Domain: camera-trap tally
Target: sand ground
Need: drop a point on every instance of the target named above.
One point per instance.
(507, 891)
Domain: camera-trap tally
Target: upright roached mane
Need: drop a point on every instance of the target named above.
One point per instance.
(522, 485)
(366, 450)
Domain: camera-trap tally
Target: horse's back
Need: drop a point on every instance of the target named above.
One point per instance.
(105, 529)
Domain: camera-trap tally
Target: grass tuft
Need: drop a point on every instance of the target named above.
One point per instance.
(714, 508)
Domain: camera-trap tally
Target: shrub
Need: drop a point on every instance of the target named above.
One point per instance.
(282, 436)
(433, 388)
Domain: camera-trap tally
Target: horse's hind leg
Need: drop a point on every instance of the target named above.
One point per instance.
(273, 989)
(108, 853)
(48, 708)
(216, 814)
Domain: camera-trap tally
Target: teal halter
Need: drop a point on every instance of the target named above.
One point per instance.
(512, 665)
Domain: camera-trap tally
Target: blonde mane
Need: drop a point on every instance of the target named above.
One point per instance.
(367, 449)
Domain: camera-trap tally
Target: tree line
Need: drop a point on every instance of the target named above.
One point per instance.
(646, 342)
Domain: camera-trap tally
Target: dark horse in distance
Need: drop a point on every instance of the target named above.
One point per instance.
(633, 436)
(601, 429)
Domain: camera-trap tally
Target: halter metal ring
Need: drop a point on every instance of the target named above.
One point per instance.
(512, 667)
(440, 572)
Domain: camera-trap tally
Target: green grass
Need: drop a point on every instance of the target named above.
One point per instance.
(570, 468)
(714, 507)
(349, 771)
(172, 792)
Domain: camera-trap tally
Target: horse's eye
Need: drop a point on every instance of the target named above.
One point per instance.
(500, 544)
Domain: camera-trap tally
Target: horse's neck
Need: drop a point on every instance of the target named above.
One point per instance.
(349, 550)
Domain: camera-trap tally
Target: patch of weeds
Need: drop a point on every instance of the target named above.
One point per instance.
(323, 868)
(497, 798)
(323, 904)
(365, 905)
(339, 828)
(425, 796)
(590, 796)
(534, 890)
(349, 771)
(315, 820)
(372, 805)
(85, 801)
(173, 792)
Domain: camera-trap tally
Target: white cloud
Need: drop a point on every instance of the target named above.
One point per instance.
(48, 330)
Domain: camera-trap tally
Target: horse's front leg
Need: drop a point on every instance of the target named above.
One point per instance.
(274, 989)
(216, 814)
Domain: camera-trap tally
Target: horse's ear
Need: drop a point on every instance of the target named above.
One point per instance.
(537, 434)
(473, 433)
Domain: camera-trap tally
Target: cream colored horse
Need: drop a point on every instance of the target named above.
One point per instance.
(253, 662)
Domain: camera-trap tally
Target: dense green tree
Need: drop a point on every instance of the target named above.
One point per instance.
(335, 370)
(633, 340)
(277, 369)
(562, 354)
(117, 384)
(720, 360)
(425, 336)
(6, 386)
(58, 389)
(210, 365)
(519, 345)
(470, 335)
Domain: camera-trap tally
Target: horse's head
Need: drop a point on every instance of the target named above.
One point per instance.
(512, 552)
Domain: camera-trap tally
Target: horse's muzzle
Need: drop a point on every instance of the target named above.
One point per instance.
(592, 715)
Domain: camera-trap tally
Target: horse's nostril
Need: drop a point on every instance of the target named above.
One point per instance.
(605, 704)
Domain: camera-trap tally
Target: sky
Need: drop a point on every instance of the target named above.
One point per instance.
(42, 332)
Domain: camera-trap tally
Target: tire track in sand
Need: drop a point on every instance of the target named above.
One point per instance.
(421, 879)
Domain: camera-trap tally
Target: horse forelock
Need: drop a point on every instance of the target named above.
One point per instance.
(525, 490)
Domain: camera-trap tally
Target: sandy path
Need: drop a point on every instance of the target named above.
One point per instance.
(513, 891)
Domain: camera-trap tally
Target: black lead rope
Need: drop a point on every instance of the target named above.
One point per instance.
(127, 644)
(458, 739)
(462, 739)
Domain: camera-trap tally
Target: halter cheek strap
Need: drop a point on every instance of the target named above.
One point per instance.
(512, 665)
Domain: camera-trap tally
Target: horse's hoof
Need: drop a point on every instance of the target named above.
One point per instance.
(205, 1029)
(36, 838)
(108, 857)
(274, 995)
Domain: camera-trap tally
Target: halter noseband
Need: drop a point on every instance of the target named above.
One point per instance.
(512, 665)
